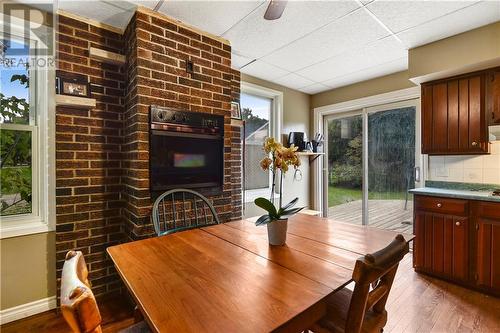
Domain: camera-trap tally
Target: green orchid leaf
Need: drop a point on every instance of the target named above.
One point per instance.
(267, 206)
(288, 205)
(264, 219)
(290, 212)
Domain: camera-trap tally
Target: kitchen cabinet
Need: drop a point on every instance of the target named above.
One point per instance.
(442, 248)
(493, 96)
(487, 246)
(458, 240)
(454, 116)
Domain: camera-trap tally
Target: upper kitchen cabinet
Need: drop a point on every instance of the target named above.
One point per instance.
(493, 96)
(454, 116)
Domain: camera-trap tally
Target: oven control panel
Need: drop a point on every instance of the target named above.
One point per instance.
(164, 115)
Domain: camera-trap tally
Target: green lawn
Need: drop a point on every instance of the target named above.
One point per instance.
(341, 195)
(13, 181)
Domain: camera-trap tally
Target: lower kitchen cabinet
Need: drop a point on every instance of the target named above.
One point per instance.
(487, 246)
(458, 240)
(442, 246)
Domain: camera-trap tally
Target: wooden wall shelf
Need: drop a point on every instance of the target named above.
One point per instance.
(308, 153)
(75, 101)
(312, 156)
(106, 56)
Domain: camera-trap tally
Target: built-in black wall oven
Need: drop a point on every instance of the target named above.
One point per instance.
(186, 150)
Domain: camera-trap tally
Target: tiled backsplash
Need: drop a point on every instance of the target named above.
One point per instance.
(483, 169)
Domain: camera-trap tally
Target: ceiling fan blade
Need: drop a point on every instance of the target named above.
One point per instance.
(275, 9)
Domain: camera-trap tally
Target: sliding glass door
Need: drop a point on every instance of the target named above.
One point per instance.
(344, 135)
(372, 162)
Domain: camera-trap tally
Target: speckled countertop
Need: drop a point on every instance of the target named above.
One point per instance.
(456, 193)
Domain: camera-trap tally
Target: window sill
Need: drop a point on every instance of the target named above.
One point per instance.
(22, 227)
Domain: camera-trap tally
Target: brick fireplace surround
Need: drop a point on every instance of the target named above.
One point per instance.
(102, 154)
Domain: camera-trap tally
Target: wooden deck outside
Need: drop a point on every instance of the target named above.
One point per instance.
(385, 214)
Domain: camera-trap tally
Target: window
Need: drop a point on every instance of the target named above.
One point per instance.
(256, 112)
(261, 111)
(24, 138)
(18, 132)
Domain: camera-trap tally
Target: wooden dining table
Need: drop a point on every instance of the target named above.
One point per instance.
(227, 278)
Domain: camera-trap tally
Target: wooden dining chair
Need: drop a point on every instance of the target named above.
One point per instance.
(78, 304)
(363, 309)
(182, 209)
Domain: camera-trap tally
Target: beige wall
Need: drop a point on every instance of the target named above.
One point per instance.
(295, 119)
(27, 269)
(371, 87)
(466, 52)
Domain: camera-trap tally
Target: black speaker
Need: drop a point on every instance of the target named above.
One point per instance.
(297, 139)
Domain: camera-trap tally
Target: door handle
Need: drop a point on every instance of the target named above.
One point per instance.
(417, 174)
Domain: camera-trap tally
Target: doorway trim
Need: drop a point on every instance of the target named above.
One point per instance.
(319, 113)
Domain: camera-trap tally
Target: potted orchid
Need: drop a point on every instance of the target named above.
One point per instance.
(278, 159)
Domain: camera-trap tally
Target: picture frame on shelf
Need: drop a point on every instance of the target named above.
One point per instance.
(72, 84)
(235, 110)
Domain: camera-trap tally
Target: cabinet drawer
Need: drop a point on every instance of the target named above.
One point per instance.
(488, 210)
(442, 205)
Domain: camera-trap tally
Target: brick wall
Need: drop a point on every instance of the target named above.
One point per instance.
(102, 157)
(88, 155)
(156, 74)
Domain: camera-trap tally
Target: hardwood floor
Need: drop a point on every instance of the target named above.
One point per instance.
(417, 303)
(117, 313)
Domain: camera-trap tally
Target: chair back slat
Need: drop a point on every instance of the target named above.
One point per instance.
(195, 209)
(205, 214)
(373, 276)
(164, 214)
(184, 207)
(161, 222)
(78, 304)
(174, 214)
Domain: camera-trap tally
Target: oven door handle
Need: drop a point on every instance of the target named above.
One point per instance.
(187, 135)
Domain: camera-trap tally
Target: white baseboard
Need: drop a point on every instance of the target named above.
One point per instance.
(28, 309)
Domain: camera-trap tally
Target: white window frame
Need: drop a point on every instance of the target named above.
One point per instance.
(276, 127)
(358, 106)
(42, 128)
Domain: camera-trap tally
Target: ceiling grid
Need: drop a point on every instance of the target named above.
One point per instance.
(315, 45)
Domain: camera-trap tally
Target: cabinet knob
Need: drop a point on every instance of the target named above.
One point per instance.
(474, 143)
(439, 205)
(457, 223)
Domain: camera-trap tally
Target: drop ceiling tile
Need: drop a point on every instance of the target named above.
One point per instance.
(379, 52)
(293, 81)
(397, 65)
(466, 19)
(351, 31)
(314, 88)
(263, 70)
(256, 37)
(400, 15)
(212, 16)
(132, 4)
(238, 60)
(105, 12)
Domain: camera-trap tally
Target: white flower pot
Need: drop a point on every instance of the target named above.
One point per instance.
(276, 232)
